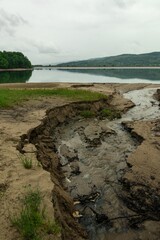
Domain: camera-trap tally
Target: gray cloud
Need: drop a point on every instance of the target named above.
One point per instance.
(9, 22)
(42, 47)
(46, 48)
(125, 3)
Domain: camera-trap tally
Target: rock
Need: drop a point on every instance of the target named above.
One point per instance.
(95, 132)
(29, 148)
(92, 132)
(68, 153)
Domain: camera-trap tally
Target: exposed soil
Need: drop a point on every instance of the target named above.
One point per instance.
(60, 142)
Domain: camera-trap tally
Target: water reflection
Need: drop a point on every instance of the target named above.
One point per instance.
(148, 74)
(83, 76)
(15, 77)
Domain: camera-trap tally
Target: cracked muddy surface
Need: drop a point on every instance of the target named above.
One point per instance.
(93, 157)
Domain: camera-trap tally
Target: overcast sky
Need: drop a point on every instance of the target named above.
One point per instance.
(52, 31)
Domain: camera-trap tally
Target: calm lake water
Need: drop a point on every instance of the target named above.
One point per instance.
(84, 76)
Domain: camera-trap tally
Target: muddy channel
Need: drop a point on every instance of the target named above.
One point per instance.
(87, 159)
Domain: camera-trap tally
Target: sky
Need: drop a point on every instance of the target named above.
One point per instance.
(54, 31)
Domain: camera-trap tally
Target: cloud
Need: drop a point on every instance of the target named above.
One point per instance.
(124, 3)
(46, 48)
(42, 47)
(9, 22)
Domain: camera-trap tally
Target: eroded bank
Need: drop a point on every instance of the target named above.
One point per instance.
(90, 162)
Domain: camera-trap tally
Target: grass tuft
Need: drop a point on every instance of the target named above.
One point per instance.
(110, 114)
(27, 162)
(87, 114)
(31, 222)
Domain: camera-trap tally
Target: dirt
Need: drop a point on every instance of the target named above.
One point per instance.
(27, 127)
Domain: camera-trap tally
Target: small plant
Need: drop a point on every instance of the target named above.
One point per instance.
(87, 114)
(110, 114)
(27, 162)
(106, 112)
(31, 221)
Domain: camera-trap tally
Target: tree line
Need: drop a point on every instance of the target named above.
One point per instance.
(10, 60)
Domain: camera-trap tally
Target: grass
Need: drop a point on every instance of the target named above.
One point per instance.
(110, 114)
(87, 114)
(27, 162)
(31, 221)
(10, 97)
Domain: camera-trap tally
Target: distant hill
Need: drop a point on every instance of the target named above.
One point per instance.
(124, 60)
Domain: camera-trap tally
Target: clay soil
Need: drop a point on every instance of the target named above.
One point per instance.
(144, 163)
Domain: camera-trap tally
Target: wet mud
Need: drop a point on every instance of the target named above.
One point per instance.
(90, 162)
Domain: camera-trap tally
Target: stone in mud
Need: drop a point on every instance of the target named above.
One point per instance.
(29, 148)
(68, 153)
(94, 132)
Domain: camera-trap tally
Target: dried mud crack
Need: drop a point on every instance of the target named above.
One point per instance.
(95, 195)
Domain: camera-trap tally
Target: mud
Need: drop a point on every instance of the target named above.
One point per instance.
(47, 155)
(103, 186)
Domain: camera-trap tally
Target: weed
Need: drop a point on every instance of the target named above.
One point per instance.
(87, 114)
(110, 113)
(27, 162)
(31, 222)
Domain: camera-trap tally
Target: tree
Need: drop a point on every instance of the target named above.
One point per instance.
(14, 60)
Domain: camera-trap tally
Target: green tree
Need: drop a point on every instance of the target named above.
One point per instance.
(14, 60)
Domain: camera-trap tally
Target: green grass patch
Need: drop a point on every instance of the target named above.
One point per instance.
(87, 114)
(10, 97)
(27, 162)
(31, 221)
(110, 114)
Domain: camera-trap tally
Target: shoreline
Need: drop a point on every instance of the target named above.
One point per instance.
(102, 87)
(16, 69)
(81, 68)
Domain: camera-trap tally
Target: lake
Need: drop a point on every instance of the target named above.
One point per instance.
(83, 76)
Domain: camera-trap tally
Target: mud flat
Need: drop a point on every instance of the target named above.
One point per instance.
(105, 173)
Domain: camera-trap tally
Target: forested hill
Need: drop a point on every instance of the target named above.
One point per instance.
(10, 60)
(124, 60)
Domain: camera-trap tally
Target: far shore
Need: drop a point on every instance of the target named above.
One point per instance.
(81, 68)
(16, 69)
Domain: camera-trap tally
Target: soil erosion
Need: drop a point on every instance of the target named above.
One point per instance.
(102, 158)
